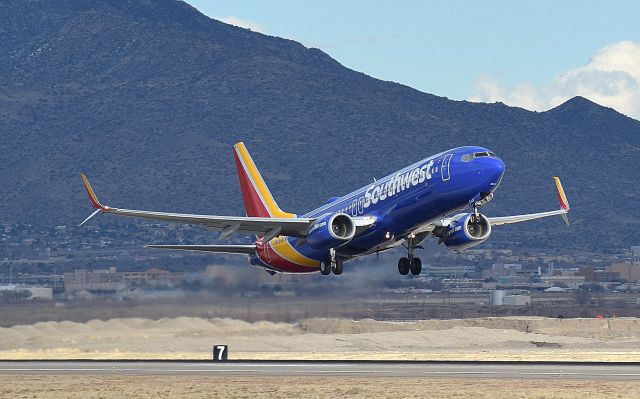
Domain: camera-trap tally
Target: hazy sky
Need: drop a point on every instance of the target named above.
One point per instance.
(534, 54)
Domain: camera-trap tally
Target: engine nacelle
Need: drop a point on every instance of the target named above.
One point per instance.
(466, 231)
(331, 231)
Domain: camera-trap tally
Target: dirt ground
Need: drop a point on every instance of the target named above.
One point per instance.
(107, 387)
(509, 338)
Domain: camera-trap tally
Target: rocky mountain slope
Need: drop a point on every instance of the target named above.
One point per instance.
(147, 98)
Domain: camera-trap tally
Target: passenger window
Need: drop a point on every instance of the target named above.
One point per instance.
(467, 157)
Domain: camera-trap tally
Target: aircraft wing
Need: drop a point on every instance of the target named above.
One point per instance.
(227, 249)
(266, 227)
(563, 211)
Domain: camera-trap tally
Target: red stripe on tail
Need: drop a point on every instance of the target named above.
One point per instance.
(253, 205)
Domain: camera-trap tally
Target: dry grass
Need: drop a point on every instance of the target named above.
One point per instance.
(513, 355)
(522, 338)
(107, 387)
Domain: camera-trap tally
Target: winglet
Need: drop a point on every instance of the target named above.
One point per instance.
(562, 199)
(92, 197)
(94, 201)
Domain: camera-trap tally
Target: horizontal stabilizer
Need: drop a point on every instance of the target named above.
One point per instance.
(228, 249)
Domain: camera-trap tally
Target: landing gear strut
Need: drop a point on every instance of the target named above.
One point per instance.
(484, 199)
(410, 263)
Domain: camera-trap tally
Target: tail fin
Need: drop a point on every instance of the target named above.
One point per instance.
(258, 200)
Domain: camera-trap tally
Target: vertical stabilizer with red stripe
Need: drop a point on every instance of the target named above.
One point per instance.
(258, 200)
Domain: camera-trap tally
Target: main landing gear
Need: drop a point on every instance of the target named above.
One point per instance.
(410, 263)
(335, 265)
(413, 265)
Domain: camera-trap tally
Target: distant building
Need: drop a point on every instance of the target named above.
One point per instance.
(605, 277)
(151, 276)
(517, 300)
(55, 281)
(505, 269)
(571, 281)
(586, 272)
(451, 271)
(112, 281)
(635, 255)
(626, 271)
(497, 297)
(105, 280)
(514, 279)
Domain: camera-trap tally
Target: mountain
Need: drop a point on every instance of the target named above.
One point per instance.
(148, 97)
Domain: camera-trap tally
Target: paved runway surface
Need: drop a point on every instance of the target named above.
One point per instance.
(352, 369)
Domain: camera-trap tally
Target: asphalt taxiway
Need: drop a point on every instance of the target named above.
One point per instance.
(599, 371)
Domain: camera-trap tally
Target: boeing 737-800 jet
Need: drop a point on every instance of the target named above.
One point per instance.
(404, 208)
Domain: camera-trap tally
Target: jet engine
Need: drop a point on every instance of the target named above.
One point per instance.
(467, 230)
(331, 231)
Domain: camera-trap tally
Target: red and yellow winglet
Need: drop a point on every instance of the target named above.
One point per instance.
(94, 200)
(92, 196)
(562, 199)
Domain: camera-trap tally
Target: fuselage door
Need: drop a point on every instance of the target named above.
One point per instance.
(445, 167)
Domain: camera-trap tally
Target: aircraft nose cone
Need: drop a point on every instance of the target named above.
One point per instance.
(496, 171)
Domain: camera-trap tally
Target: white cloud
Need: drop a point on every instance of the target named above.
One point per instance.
(611, 78)
(235, 21)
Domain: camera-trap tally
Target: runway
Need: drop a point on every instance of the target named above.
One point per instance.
(352, 369)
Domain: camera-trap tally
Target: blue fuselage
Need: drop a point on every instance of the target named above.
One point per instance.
(415, 196)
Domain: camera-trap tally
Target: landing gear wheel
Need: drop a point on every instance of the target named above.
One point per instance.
(403, 266)
(325, 268)
(337, 266)
(416, 266)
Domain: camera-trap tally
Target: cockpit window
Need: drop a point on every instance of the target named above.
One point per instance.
(469, 157)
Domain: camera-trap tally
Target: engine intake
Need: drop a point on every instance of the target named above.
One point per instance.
(466, 231)
(331, 231)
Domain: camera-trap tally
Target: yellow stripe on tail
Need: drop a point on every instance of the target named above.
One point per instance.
(258, 183)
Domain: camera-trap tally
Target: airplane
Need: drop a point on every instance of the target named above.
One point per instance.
(402, 209)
